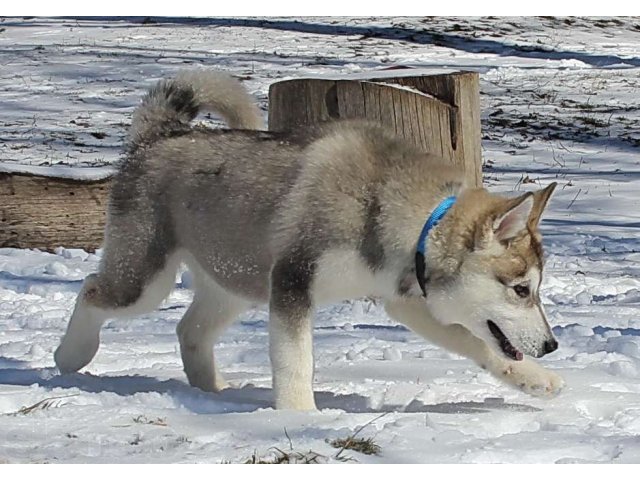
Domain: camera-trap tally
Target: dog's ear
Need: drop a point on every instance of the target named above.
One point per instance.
(505, 222)
(514, 218)
(540, 200)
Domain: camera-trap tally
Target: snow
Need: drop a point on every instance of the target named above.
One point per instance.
(559, 103)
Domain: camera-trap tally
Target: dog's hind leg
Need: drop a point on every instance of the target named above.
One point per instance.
(98, 302)
(525, 374)
(212, 311)
(137, 271)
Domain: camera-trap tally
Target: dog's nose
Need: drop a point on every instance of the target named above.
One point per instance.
(550, 346)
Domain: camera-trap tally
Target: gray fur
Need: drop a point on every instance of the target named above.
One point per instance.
(371, 246)
(265, 217)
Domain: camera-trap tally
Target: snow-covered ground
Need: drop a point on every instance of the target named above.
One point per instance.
(561, 102)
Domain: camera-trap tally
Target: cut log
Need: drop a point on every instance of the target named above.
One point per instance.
(48, 212)
(440, 114)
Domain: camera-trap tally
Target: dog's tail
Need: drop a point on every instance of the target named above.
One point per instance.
(170, 105)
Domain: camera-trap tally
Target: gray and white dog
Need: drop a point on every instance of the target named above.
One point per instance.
(302, 219)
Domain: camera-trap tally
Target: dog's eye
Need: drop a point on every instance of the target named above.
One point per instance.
(522, 290)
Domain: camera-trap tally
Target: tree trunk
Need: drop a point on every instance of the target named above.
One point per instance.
(440, 114)
(46, 212)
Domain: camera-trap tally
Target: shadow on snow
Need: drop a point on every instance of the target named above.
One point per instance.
(246, 399)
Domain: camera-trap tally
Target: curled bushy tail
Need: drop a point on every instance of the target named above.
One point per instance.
(170, 105)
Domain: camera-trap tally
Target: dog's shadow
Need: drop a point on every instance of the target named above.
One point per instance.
(245, 399)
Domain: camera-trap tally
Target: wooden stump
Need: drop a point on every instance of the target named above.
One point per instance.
(440, 113)
(47, 212)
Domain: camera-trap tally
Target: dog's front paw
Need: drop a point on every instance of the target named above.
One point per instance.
(531, 378)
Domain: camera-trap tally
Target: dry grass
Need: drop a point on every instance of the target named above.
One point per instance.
(44, 404)
(353, 442)
(281, 457)
(142, 419)
(362, 445)
(366, 446)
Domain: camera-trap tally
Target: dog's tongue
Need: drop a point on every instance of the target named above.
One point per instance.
(510, 350)
(506, 346)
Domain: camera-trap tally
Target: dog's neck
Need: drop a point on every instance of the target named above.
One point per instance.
(436, 215)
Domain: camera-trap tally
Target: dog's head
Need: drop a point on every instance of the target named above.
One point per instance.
(487, 269)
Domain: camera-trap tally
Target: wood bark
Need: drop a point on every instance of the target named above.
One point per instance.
(47, 212)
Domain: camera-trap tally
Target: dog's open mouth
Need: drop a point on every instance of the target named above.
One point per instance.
(508, 349)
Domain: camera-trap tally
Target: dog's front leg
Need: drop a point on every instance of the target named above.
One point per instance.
(291, 333)
(526, 374)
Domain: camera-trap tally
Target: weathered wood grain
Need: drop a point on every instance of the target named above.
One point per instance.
(46, 212)
(438, 113)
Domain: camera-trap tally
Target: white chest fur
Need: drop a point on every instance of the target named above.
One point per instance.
(343, 275)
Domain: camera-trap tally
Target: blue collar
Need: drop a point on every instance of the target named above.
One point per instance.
(433, 220)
